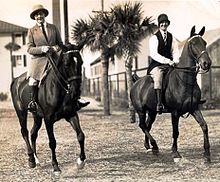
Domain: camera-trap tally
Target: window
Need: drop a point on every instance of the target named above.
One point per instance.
(19, 61)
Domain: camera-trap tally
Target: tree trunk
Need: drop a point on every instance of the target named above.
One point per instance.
(12, 71)
(128, 67)
(105, 87)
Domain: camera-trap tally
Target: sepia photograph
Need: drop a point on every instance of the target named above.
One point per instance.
(110, 90)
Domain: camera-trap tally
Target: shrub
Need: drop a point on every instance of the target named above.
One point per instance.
(3, 96)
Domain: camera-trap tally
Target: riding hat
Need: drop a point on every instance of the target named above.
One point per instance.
(162, 18)
(36, 8)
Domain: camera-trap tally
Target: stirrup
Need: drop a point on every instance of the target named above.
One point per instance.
(32, 106)
(161, 109)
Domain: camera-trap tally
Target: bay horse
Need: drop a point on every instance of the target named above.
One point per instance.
(57, 99)
(181, 94)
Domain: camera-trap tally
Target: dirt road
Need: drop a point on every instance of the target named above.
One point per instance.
(114, 149)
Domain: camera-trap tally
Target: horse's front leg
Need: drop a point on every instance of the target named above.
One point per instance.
(175, 124)
(199, 118)
(34, 134)
(52, 144)
(74, 121)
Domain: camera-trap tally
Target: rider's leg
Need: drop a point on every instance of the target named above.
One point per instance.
(82, 103)
(157, 75)
(33, 89)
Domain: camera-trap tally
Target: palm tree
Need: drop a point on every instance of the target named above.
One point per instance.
(119, 33)
(12, 46)
(130, 30)
(99, 36)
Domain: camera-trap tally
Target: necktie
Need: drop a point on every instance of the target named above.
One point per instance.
(44, 32)
(165, 38)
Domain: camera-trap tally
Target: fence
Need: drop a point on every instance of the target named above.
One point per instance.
(118, 85)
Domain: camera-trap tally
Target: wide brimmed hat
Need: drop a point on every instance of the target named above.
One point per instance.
(36, 9)
(163, 18)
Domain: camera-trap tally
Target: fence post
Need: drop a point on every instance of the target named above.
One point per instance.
(126, 86)
(117, 85)
(210, 84)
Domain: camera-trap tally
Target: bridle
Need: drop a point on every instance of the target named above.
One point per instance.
(196, 68)
(64, 82)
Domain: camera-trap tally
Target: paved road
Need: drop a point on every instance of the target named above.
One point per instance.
(114, 149)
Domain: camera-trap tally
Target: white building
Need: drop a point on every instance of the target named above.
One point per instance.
(10, 33)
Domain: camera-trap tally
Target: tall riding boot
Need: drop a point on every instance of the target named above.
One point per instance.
(81, 104)
(160, 106)
(32, 106)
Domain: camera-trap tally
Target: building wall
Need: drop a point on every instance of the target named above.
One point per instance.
(5, 65)
(21, 61)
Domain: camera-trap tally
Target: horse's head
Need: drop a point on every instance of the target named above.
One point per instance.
(72, 64)
(197, 49)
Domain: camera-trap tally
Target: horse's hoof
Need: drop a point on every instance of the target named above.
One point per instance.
(57, 173)
(149, 150)
(32, 164)
(80, 163)
(155, 151)
(207, 160)
(177, 159)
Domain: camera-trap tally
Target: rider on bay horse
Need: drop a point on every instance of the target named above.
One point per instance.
(41, 38)
(163, 51)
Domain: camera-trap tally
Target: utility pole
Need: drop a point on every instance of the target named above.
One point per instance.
(102, 9)
(66, 25)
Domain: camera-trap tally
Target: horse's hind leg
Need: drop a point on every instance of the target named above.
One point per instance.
(199, 118)
(175, 125)
(34, 134)
(146, 125)
(22, 115)
(74, 121)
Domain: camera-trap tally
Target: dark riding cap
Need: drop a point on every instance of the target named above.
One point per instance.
(163, 18)
(36, 8)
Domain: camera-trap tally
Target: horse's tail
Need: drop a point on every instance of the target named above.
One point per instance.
(135, 77)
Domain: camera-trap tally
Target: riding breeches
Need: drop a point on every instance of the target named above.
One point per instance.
(157, 75)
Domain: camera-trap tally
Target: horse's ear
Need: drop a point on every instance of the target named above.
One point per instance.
(193, 30)
(202, 31)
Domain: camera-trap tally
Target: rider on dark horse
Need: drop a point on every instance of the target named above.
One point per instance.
(163, 51)
(42, 38)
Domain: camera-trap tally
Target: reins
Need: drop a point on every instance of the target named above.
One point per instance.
(64, 83)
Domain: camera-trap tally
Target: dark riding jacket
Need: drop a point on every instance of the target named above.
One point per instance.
(163, 49)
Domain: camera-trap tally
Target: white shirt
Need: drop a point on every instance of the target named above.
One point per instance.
(45, 27)
(153, 45)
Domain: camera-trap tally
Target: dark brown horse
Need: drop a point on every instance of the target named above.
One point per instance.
(181, 93)
(57, 99)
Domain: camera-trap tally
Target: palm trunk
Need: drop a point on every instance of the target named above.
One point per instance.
(128, 67)
(105, 87)
(12, 71)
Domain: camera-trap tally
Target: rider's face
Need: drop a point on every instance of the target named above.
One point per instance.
(164, 25)
(40, 17)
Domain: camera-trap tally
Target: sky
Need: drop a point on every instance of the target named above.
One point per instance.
(183, 14)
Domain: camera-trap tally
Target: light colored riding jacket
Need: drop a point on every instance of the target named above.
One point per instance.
(36, 40)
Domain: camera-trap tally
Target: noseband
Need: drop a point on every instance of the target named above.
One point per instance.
(64, 83)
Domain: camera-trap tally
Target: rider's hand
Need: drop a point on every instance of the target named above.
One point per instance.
(171, 63)
(56, 48)
(45, 49)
